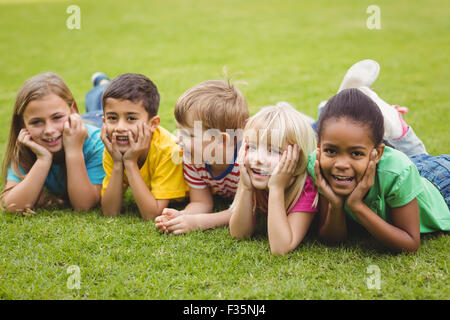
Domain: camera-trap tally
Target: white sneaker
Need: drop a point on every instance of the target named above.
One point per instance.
(393, 127)
(97, 77)
(361, 74)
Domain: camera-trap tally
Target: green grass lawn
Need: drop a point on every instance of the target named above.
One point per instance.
(295, 51)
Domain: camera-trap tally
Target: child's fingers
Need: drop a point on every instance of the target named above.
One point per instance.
(170, 212)
(288, 159)
(370, 174)
(283, 161)
(147, 134)
(103, 131)
(106, 140)
(179, 231)
(66, 127)
(161, 227)
(318, 174)
(114, 139)
(22, 135)
(132, 140)
(174, 224)
(373, 155)
(294, 159)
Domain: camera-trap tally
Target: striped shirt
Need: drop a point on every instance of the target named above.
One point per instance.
(200, 177)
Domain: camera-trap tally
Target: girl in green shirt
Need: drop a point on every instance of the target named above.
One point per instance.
(379, 187)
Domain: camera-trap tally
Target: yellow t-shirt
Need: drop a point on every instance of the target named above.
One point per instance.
(163, 176)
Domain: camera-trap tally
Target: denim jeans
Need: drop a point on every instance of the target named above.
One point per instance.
(94, 108)
(435, 169)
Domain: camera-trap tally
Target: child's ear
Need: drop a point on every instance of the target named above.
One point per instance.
(153, 123)
(74, 108)
(380, 150)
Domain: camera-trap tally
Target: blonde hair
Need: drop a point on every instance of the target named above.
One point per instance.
(282, 125)
(217, 103)
(35, 88)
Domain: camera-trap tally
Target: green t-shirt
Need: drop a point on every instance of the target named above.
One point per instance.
(397, 182)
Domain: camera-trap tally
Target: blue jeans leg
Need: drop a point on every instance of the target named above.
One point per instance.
(94, 108)
(435, 169)
(93, 98)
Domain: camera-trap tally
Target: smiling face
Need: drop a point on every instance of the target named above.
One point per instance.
(345, 149)
(122, 117)
(44, 119)
(262, 159)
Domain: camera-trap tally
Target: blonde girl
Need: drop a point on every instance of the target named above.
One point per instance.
(50, 149)
(273, 178)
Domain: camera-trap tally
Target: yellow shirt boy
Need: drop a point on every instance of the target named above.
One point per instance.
(138, 152)
(163, 177)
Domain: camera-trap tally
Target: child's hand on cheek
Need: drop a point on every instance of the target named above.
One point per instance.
(243, 168)
(282, 175)
(41, 152)
(140, 145)
(358, 194)
(111, 144)
(323, 186)
(74, 133)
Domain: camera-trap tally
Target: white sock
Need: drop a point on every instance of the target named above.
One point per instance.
(392, 124)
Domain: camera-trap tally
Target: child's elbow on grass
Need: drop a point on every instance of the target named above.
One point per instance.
(109, 213)
(14, 208)
(279, 251)
(332, 240)
(83, 207)
(238, 235)
(410, 249)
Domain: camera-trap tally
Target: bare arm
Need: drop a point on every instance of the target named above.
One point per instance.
(201, 201)
(332, 222)
(24, 194)
(285, 231)
(243, 219)
(113, 196)
(149, 207)
(403, 235)
(83, 195)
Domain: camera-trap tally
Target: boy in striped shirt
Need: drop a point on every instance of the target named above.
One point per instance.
(210, 118)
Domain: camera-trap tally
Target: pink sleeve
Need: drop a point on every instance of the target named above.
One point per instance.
(306, 199)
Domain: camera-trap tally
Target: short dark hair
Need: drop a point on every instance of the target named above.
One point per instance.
(354, 105)
(136, 88)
